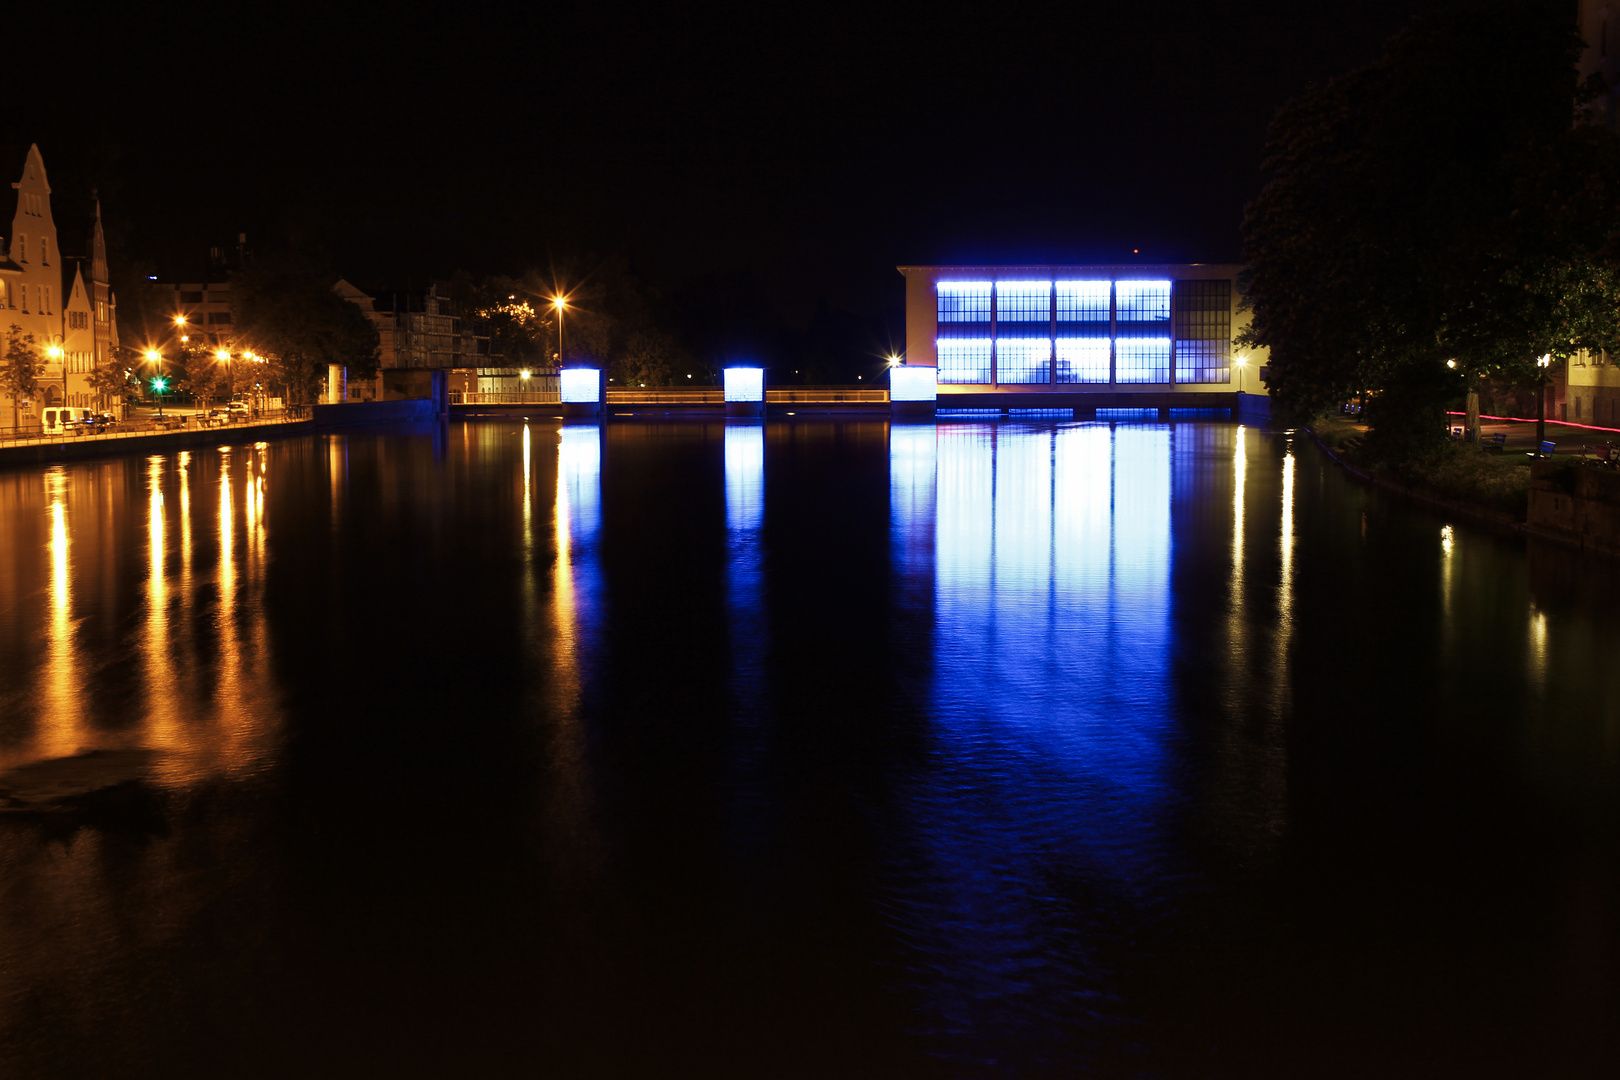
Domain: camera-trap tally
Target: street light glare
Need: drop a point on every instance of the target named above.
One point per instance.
(152, 356)
(179, 320)
(559, 302)
(54, 351)
(523, 374)
(222, 355)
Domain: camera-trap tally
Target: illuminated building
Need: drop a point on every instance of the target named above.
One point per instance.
(78, 322)
(1067, 336)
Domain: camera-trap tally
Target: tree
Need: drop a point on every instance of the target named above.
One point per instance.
(110, 381)
(287, 312)
(20, 373)
(1440, 204)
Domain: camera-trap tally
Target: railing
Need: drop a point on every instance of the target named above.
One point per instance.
(502, 397)
(126, 429)
(705, 395)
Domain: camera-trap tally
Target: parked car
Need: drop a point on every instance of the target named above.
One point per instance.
(237, 410)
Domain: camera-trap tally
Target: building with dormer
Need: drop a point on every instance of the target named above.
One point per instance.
(74, 320)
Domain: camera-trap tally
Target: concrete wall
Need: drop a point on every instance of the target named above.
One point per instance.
(1576, 503)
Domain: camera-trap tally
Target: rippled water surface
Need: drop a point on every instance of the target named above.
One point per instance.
(807, 749)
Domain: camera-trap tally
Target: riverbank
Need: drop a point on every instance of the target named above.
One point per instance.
(321, 418)
(1552, 498)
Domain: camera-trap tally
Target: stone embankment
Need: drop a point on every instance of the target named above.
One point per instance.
(1577, 504)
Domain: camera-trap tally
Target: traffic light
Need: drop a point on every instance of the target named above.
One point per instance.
(159, 384)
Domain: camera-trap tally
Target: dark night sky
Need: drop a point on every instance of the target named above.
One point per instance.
(816, 146)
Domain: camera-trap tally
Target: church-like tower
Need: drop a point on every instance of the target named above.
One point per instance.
(33, 277)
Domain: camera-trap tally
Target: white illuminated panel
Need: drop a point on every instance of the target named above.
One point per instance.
(1142, 301)
(581, 385)
(1142, 360)
(1023, 360)
(912, 384)
(1083, 301)
(745, 384)
(964, 360)
(1082, 360)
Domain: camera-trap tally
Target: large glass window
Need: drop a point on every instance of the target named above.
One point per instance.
(1083, 302)
(964, 302)
(1143, 301)
(1022, 305)
(1082, 360)
(1142, 360)
(1203, 326)
(964, 360)
(1022, 360)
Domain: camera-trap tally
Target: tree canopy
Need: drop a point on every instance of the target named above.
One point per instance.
(1444, 203)
(288, 313)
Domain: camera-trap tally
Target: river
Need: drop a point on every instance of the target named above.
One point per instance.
(818, 748)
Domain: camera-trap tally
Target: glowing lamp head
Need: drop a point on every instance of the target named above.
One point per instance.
(159, 384)
(222, 355)
(559, 302)
(54, 352)
(524, 375)
(1545, 360)
(153, 356)
(179, 320)
(1451, 364)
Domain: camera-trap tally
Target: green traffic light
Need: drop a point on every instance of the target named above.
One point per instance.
(158, 385)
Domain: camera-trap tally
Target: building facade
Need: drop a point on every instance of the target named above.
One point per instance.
(420, 331)
(1063, 335)
(75, 329)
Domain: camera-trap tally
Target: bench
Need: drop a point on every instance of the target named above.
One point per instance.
(1495, 443)
(1546, 448)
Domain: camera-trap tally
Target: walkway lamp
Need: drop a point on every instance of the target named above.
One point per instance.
(560, 303)
(1541, 399)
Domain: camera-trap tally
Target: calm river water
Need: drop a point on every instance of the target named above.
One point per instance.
(817, 749)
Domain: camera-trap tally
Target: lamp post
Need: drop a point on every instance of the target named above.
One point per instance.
(55, 353)
(1541, 400)
(155, 358)
(1240, 363)
(560, 303)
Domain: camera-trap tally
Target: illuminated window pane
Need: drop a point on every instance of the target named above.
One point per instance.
(1023, 360)
(1143, 301)
(1082, 360)
(964, 360)
(964, 301)
(745, 384)
(1203, 361)
(1203, 325)
(581, 385)
(1142, 360)
(912, 384)
(1083, 302)
(1023, 308)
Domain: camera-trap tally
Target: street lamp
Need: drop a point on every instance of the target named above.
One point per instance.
(1541, 400)
(1240, 363)
(155, 358)
(54, 351)
(560, 303)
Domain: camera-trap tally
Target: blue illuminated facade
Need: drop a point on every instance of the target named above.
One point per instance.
(1126, 330)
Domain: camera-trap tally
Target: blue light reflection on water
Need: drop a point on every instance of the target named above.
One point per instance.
(1049, 704)
(745, 563)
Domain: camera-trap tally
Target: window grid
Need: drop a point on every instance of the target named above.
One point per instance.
(1082, 360)
(1203, 361)
(1023, 360)
(1083, 301)
(1024, 302)
(1143, 301)
(1142, 360)
(964, 360)
(964, 301)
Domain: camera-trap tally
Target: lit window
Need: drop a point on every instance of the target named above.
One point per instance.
(1024, 306)
(1022, 360)
(964, 301)
(1083, 302)
(1082, 360)
(1143, 301)
(964, 360)
(1142, 360)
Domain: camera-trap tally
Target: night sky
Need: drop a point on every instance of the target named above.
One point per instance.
(814, 146)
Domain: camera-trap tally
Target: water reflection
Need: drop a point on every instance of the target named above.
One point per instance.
(61, 689)
(745, 561)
